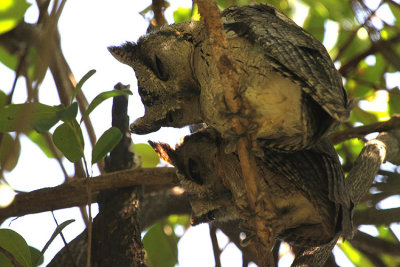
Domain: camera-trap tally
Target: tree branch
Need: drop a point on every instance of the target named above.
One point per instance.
(361, 131)
(155, 206)
(74, 193)
(385, 147)
(376, 217)
(375, 245)
(228, 84)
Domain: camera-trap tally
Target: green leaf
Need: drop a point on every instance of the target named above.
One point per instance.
(36, 256)
(11, 13)
(69, 113)
(3, 99)
(8, 59)
(150, 158)
(182, 14)
(53, 236)
(314, 22)
(159, 247)
(81, 82)
(4, 261)
(183, 220)
(106, 143)
(360, 115)
(24, 117)
(69, 140)
(41, 141)
(351, 147)
(44, 125)
(387, 234)
(394, 102)
(356, 257)
(9, 152)
(356, 47)
(101, 97)
(15, 244)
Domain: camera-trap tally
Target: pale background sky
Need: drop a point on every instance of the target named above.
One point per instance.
(87, 28)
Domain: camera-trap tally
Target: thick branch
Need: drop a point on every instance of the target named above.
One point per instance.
(385, 147)
(74, 192)
(374, 216)
(118, 209)
(350, 65)
(375, 245)
(155, 206)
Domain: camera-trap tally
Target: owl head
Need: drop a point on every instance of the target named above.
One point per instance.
(197, 163)
(163, 64)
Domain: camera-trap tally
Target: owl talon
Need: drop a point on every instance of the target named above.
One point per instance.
(247, 240)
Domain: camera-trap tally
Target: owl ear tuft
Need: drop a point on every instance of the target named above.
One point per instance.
(164, 151)
(124, 53)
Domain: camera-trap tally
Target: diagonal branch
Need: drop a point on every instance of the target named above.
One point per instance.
(228, 81)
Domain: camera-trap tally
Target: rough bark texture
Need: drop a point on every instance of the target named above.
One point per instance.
(116, 229)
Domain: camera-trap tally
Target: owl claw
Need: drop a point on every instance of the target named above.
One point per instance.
(247, 240)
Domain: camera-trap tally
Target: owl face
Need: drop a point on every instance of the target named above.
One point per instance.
(196, 160)
(163, 64)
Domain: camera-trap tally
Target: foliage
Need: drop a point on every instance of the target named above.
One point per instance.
(363, 40)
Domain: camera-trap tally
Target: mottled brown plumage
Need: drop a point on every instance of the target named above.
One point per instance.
(291, 90)
(307, 187)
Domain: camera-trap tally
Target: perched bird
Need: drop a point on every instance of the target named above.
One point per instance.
(311, 204)
(292, 92)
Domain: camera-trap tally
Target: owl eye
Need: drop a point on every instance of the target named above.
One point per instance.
(160, 70)
(194, 172)
(210, 216)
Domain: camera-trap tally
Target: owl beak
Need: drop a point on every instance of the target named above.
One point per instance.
(142, 126)
(207, 217)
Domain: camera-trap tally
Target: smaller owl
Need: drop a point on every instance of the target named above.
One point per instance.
(306, 212)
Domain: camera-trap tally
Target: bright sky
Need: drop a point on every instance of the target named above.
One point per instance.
(87, 28)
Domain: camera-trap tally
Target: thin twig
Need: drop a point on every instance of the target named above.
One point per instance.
(214, 242)
(158, 7)
(65, 242)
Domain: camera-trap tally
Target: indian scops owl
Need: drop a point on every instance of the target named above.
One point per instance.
(287, 79)
(307, 187)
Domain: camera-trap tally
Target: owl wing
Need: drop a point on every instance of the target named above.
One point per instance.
(293, 52)
(318, 174)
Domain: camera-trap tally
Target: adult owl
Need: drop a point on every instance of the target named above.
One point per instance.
(292, 91)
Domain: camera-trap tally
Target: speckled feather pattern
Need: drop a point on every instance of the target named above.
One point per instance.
(295, 53)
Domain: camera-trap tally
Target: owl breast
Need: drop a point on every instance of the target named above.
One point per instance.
(273, 102)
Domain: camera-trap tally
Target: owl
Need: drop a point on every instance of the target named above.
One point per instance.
(291, 90)
(311, 204)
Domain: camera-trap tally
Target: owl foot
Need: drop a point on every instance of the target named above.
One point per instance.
(247, 234)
